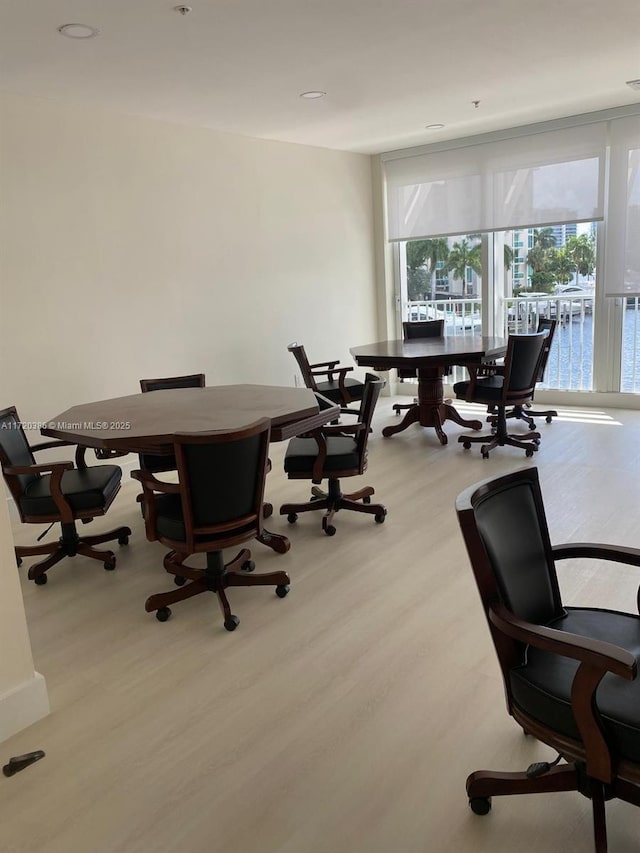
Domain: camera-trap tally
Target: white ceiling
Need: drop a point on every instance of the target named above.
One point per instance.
(389, 67)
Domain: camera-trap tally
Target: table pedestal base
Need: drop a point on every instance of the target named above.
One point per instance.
(431, 410)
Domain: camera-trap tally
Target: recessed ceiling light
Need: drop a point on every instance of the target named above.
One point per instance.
(434, 127)
(311, 96)
(77, 31)
(634, 84)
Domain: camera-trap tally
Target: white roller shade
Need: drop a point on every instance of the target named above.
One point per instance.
(622, 261)
(540, 179)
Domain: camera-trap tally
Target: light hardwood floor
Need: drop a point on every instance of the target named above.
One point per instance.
(344, 718)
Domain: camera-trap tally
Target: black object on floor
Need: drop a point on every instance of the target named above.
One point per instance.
(19, 762)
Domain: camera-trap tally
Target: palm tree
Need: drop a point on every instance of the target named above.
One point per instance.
(464, 256)
(544, 238)
(508, 257)
(536, 258)
(562, 265)
(438, 251)
(582, 252)
(423, 257)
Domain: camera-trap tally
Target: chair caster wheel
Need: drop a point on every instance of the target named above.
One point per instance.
(248, 566)
(231, 623)
(532, 426)
(267, 510)
(380, 517)
(179, 580)
(109, 565)
(466, 445)
(480, 805)
(18, 561)
(366, 499)
(548, 419)
(528, 453)
(485, 454)
(163, 614)
(282, 590)
(123, 540)
(40, 580)
(293, 517)
(330, 530)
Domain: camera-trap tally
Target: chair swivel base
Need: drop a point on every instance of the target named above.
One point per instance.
(524, 414)
(485, 784)
(501, 437)
(333, 501)
(69, 545)
(215, 578)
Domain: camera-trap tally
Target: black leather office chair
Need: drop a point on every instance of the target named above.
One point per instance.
(57, 492)
(525, 412)
(216, 504)
(504, 386)
(333, 452)
(414, 330)
(337, 387)
(149, 461)
(569, 672)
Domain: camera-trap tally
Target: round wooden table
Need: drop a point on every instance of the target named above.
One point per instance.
(430, 358)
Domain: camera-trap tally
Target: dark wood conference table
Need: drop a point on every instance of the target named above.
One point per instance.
(145, 423)
(431, 358)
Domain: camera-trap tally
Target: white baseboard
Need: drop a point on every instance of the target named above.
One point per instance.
(23, 705)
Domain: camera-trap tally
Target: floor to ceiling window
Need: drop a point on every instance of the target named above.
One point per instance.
(494, 234)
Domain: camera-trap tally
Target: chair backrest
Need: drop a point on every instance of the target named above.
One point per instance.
(422, 329)
(193, 380)
(15, 450)
(546, 324)
(505, 531)
(222, 478)
(521, 365)
(303, 363)
(372, 388)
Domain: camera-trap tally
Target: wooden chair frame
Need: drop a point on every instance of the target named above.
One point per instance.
(333, 499)
(212, 539)
(510, 397)
(70, 542)
(592, 766)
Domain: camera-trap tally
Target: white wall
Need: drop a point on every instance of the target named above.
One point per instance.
(23, 692)
(133, 248)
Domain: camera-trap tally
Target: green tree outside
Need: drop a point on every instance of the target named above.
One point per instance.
(463, 256)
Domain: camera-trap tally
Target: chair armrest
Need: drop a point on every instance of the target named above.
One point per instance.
(342, 373)
(151, 484)
(343, 429)
(473, 370)
(46, 467)
(150, 489)
(597, 551)
(329, 365)
(56, 469)
(596, 659)
(47, 445)
(596, 653)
